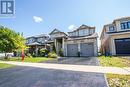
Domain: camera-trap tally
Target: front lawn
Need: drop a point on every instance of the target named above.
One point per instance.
(115, 80)
(33, 60)
(114, 61)
(3, 65)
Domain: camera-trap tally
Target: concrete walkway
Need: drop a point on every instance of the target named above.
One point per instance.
(82, 68)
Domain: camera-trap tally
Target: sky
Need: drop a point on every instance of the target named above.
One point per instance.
(33, 17)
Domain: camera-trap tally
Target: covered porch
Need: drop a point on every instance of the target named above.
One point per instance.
(34, 48)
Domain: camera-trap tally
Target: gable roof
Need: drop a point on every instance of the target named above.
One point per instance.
(83, 26)
(56, 30)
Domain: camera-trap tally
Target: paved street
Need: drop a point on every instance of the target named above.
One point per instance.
(36, 77)
(23, 76)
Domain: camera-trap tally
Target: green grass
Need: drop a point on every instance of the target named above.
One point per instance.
(114, 61)
(116, 80)
(33, 60)
(3, 65)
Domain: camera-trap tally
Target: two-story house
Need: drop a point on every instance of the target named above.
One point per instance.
(80, 42)
(115, 37)
(37, 42)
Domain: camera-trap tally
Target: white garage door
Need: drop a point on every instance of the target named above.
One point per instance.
(86, 49)
(72, 50)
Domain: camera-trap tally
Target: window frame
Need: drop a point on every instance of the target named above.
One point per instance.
(111, 28)
(125, 25)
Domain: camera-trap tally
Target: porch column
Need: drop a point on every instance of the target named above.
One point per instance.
(79, 47)
(55, 42)
(36, 51)
(63, 43)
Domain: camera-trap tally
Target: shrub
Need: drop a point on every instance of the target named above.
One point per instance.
(61, 53)
(43, 52)
(52, 55)
(54, 48)
(29, 55)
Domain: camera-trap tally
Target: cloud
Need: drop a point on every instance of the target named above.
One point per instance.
(37, 19)
(72, 27)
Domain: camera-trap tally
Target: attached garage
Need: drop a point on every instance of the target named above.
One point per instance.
(86, 49)
(72, 50)
(122, 46)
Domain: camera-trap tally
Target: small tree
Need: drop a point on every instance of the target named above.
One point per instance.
(10, 40)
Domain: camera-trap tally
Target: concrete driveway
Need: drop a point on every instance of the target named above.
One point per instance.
(37, 77)
(76, 61)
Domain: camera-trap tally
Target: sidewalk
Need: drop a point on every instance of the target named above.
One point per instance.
(83, 68)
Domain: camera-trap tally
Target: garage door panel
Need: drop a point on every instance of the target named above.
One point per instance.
(72, 50)
(87, 49)
(122, 46)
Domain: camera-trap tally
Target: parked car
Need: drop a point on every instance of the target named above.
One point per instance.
(8, 54)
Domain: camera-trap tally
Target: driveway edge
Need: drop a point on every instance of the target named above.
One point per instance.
(104, 74)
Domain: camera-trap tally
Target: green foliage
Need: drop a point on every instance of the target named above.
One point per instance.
(3, 65)
(114, 61)
(10, 40)
(52, 55)
(61, 53)
(54, 48)
(33, 59)
(116, 80)
(29, 55)
(43, 51)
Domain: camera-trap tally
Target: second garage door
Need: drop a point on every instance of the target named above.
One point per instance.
(87, 49)
(122, 46)
(72, 50)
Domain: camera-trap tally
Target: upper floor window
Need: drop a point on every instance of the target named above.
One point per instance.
(111, 28)
(83, 32)
(73, 34)
(125, 25)
(91, 31)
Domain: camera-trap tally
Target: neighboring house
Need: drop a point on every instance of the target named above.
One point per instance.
(80, 42)
(115, 37)
(37, 42)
